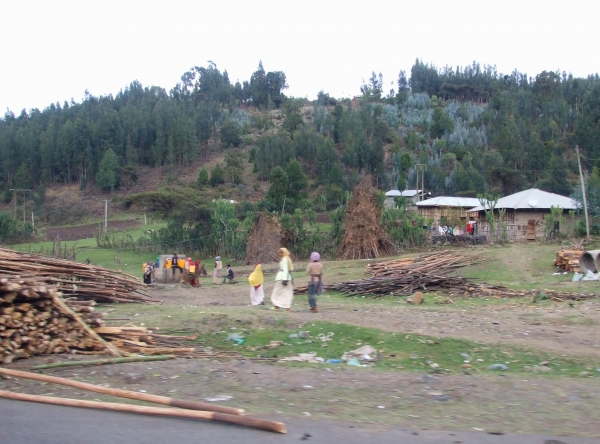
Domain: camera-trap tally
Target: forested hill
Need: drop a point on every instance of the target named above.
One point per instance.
(475, 130)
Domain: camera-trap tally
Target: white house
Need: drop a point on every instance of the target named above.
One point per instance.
(526, 213)
(409, 194)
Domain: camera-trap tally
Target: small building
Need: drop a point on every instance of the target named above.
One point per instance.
(453, 209)
(526, 214)
(413, 195)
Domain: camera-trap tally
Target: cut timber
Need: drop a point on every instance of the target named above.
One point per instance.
(568, 260)
(120, 330)
(103, 361)
(271, 426)
(191, 405)
(60, 303)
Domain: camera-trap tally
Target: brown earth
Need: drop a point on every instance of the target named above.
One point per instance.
(86, 231)
(492, 402)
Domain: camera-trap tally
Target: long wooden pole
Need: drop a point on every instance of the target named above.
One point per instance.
(61, 303)
(103, 361)
(192, 405)
(587, 222)
(272, 426)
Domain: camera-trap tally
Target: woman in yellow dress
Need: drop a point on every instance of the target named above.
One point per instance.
(257, 293)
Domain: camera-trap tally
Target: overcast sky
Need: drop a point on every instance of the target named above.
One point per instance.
(53, 50)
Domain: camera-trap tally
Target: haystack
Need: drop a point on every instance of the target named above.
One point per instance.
(264, 240)
(363, 236)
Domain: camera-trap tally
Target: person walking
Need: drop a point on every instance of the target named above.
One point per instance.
(283, 293)
(217, 272)
(257, 292)
(315, 287)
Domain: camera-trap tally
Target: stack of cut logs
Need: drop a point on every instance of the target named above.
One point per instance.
(568, 260)
(32, 322)
(438, 263)
(88, 282)
(404, 276)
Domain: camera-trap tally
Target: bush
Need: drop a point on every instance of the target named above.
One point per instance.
(217, 175)
(230, 134)
(202, 177)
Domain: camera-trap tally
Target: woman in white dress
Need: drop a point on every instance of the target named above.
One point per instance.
(283, 293)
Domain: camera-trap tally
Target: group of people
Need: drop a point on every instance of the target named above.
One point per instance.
(283, 292)
(229, 275)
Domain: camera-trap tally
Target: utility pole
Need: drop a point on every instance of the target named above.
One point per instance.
(14, 190)
(585, 210)
(420, 168)
(106, 201)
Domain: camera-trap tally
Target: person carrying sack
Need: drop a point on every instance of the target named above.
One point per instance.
(283, 293)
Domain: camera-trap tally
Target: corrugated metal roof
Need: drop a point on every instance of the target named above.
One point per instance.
(533, 198)
(405, 193)
(450, 201)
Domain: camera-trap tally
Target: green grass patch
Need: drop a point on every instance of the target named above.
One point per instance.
(395, 351)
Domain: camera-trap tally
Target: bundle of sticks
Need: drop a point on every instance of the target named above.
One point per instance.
(402, 285)
(181, 408)
(35, 320)
(130, 339)
(438, 262)
(87, 282)
(568, 259)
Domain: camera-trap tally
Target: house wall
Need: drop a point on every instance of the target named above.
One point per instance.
(517, 221)
(436, 213)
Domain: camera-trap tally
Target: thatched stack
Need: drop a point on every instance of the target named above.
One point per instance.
(363, 236)
(264, 240)
(31, 322)
(568, 259)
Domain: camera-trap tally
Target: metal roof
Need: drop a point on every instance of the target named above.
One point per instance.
(405, 193)
(533, 199)
(450, 201)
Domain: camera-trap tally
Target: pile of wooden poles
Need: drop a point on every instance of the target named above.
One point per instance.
(179, 408)
(34, 319)
(86, 282)
(568, 259)
(438, 263)
(433, 272)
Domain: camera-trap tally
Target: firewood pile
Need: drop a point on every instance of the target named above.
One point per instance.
(433, 272)
(439, 262)
(86, 282)
(31, 322)
(264, 240)
(568, 260)
(363, 236)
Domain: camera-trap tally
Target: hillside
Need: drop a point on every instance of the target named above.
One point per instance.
(475, 131)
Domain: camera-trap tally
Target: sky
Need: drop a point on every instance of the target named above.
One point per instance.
(52, 51)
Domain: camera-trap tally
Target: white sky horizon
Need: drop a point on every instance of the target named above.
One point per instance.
(54, 51)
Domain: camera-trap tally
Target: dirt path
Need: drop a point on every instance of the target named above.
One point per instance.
(554, 327)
